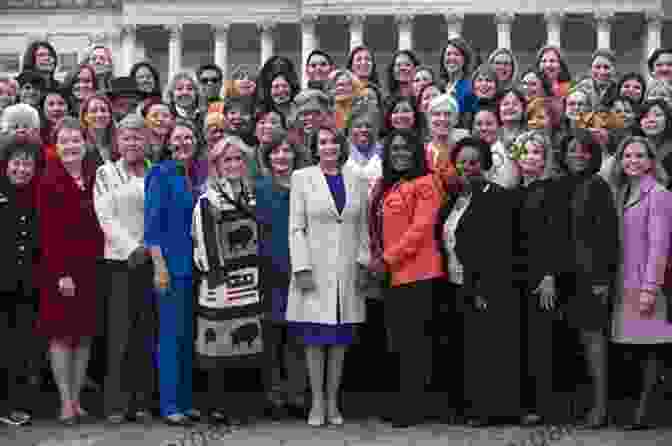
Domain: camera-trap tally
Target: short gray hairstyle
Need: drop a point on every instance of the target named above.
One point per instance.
(131, 121)
(24, 113)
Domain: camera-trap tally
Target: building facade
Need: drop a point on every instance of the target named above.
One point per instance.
(176, 35)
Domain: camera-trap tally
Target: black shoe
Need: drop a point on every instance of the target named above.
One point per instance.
(194, 415)
(531, 419)
(638, 427)
(479, 422)
(404, 423)
(16, 418)
(178, 420)
(276, 412)
(218, 417)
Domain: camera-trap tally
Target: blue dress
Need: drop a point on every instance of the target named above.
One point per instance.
(312, 333)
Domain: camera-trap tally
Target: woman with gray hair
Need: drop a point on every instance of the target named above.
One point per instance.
(181, 95)
(119, 203)
(602, 81)
(20, 124)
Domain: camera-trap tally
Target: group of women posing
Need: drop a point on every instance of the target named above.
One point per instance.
(260, 227)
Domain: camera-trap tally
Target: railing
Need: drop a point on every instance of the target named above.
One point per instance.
(60, 4)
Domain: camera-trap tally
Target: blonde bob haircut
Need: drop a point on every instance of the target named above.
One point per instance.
(539, 137)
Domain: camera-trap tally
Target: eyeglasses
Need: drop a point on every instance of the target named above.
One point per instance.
(209, 80)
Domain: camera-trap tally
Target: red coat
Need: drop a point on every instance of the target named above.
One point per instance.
(72, 241)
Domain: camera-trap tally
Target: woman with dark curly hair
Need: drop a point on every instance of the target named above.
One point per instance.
(41, 57)
(147, 78)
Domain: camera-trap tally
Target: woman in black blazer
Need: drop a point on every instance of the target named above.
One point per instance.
(538, 219)
(592, 253)
(19, 255)
(475, 236)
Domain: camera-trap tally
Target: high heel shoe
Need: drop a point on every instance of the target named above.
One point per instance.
(316, 418)
(178, 419)
(335, 418)
(594, 420)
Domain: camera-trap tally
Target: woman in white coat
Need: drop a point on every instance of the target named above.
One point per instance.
(328, 244)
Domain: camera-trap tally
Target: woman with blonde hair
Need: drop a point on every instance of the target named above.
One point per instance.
(536, 225)
(230, 298)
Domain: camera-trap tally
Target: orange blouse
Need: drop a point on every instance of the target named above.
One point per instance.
(410, 249)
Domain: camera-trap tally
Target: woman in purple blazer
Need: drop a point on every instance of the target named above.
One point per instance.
(645, 207)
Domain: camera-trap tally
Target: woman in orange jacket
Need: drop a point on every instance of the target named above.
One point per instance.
(403, 212)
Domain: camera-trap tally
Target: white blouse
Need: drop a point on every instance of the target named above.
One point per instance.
(455, 269)
(119, 200)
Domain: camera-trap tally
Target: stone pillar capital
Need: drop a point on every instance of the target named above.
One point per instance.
(654, 17)
(554, 17)
(99, 38)
(266, 25)
(309, 19)
(128, 29)
(220, 29)
(355, 19)
(403, 19)
(504, 18)
(603, 18)
(174, 31)
(454, 17)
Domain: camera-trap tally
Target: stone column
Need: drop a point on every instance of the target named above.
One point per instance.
(654, 28)
(356, 23)
(127, 48)
(503, 20)
(454, 21)
(220, 33)
(308, 42)
(174, 49)
(554, 28)
(140, 48)
(405, 26)
(266, 33)
(603, 21)
(653, 38)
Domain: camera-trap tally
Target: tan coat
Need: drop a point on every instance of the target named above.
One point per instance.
(329, 244)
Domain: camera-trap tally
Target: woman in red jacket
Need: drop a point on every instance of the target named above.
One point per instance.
(71, 241)
(403, 212)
